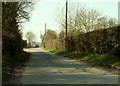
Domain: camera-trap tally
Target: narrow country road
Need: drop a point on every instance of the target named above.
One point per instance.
(48, 68)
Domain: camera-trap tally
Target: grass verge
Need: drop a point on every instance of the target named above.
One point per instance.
(104, 60)
(10, 63)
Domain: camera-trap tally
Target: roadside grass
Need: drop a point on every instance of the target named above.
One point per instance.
(10, 63)
(104, 60)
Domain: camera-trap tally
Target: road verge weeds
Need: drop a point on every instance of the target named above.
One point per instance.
(104, 60)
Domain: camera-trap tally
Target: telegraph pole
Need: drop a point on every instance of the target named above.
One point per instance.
(45, 32)
(45, 27)
(66, 45)
(66, 17)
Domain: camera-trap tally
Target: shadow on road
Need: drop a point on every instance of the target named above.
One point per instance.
(48, 68)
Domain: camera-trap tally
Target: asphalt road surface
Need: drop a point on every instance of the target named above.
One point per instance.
(47, 68)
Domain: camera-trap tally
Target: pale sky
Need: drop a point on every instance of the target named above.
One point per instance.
(46, 11)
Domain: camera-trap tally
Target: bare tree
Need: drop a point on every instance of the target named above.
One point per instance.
(30, 37)
(112, 22)
(81, 20)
